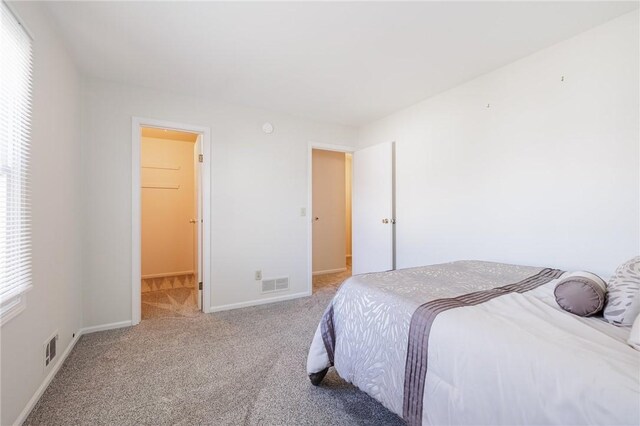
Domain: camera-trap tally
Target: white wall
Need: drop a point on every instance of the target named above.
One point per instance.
(55, 301)
(548, 175)
(329, 206)
(167, 238)
(259, 184)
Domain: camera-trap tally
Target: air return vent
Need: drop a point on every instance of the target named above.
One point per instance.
(282, 283)
(50, 349)
(275, 284)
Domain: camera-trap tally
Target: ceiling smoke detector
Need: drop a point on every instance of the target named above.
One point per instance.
(267, 128)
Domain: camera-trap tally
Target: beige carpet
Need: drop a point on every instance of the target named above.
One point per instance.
(331, 281)
(241, 367)
(173, 302)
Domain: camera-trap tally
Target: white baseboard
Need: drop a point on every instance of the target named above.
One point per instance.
(103, 327)
(47, 380)
(54, 370)
(257, 302)
(329, 271)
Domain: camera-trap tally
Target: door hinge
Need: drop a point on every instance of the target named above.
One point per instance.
(200, 285)
(200, 158)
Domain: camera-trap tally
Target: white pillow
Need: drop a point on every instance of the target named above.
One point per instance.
(634, 337)
(623, 294)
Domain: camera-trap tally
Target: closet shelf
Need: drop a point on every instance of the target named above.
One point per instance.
(160, 186)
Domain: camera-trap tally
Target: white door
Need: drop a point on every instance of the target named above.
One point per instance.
(198, 254)
(373, 209)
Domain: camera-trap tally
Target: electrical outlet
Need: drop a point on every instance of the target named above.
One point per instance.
(258, 275)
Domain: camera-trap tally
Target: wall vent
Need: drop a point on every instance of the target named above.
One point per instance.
(50, 349)
(282, 283)
(268, 286)
(275, 284)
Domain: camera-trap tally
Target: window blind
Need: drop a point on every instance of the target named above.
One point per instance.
(15, 123)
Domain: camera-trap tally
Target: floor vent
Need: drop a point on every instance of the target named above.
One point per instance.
(50, 350)
(275, 284)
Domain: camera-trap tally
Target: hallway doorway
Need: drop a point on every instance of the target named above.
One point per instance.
(331, 218)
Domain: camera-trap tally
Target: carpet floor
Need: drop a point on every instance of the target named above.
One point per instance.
(241, 367)
(172, 302)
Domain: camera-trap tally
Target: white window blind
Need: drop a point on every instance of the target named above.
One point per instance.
(15, 123)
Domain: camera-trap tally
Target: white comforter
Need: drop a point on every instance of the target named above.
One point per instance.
(516, 359)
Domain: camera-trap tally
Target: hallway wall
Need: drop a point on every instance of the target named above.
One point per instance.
(329, 196)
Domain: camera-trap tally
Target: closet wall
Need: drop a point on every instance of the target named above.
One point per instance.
(168, 205)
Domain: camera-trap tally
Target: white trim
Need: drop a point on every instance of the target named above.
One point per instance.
(206, 220)
(167, 274)
(326, 147)
(136, 274)
(257, 302)
(14, 305)
(103, 327)
(329, 271)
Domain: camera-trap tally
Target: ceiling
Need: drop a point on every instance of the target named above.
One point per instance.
(338, 62)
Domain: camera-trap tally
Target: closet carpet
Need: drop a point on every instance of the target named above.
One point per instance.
(173, 302)
(241, 367)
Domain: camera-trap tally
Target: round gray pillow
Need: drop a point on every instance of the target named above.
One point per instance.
(581, 293)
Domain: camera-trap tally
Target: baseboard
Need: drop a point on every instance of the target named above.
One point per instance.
(47, 381)
(329, 271)
(257, 302)
(103, 327)
(167, 274)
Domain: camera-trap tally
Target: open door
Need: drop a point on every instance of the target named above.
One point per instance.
(373, 209)
(198, 254)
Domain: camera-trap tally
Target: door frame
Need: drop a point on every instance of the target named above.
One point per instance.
(325, 147)
(136, 221)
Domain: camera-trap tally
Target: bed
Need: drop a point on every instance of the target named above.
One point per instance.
(474, 342)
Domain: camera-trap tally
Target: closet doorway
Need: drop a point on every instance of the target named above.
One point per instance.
(170, 226)
(330, 217)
